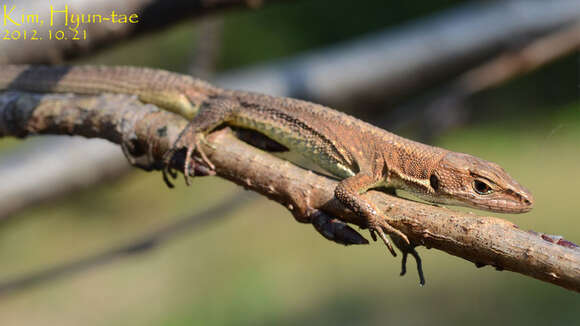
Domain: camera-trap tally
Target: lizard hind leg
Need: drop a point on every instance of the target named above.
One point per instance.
(212, 114)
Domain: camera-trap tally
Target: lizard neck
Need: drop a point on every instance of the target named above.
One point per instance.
(410, 166)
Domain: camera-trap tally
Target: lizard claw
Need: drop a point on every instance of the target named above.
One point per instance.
(189, 164)
(168, 172)
(379, 226)
(383, 236)
(201, 139)
(191, 142)
(402, 242)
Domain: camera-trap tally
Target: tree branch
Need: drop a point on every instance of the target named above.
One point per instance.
(446, 107)
(152, 16)
(144, 129)
(144, 243)
(421, 53)
(24, 185)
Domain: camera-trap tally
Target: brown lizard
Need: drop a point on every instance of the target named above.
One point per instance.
(361, 155)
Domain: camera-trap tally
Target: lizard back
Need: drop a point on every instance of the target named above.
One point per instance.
(337, 142)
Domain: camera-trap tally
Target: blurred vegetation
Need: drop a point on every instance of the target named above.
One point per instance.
(260, 267)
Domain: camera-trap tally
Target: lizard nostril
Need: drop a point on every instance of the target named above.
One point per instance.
(527, 202)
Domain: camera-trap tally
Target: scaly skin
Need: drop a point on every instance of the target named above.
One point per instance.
(362, 155)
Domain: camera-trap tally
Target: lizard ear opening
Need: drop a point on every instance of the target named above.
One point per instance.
(434, 181)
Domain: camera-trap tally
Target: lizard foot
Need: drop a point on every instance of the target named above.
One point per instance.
(190, 142)
(348, 192)
(378, 226)
(335, 230)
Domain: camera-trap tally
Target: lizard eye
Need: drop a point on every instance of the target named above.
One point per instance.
(481, 187)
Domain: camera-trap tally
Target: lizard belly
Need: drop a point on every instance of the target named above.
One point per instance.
(297, 142)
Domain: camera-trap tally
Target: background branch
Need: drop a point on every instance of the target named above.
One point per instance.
(446, 107)
(153, 16)
(420, 53)
(121, 119)
(145, 243)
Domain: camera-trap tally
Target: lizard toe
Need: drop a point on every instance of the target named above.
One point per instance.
(168, 172)
(379, 230)
(205, 159)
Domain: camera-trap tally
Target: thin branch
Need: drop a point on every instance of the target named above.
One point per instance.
(209, 34)
(515, 63)
(446, 106)
(406, 58)
(144, 129)
(143, 244)
(24, 185)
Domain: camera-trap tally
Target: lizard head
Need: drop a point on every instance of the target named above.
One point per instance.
(465, 180)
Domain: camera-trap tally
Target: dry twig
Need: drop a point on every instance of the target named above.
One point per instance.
(145, 243)
(152, 15)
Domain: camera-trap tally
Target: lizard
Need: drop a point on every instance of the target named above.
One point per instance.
(360, 155)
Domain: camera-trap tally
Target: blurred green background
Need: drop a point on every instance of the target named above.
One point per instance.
(260, 267)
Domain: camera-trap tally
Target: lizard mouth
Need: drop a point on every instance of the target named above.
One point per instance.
(504, 205)
(497, 205)
(507, 201)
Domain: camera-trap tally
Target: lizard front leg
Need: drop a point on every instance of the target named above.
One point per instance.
(212, 113)
(348, 193)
